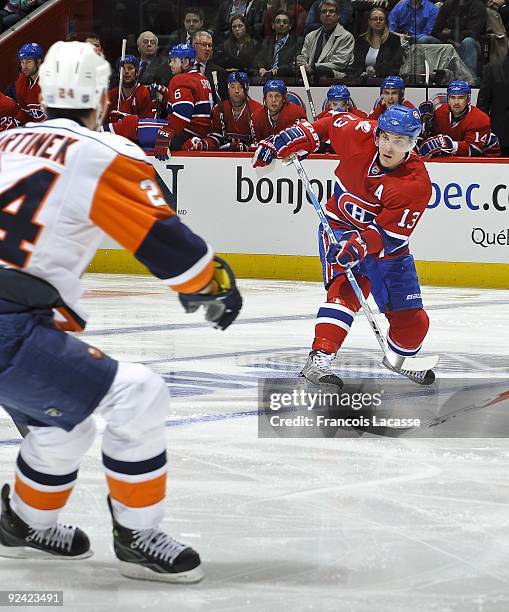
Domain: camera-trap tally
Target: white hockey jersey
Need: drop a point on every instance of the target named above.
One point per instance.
(63, 186)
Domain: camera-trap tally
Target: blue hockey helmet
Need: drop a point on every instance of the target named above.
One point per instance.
(183, 52)
(238, 77)
(401, 120)
(338, 92)
(392, 82)
(129, 59)
(295, 99)
(459, 87)
(30, 51)
(275, 85)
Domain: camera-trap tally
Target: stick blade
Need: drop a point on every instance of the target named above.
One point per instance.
(420, 364)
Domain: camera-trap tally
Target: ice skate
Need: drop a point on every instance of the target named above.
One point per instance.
(19, 540)
(426, 377)
(318, 369)
(151, 554)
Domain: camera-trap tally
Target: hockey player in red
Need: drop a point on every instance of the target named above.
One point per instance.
(392, 91)
(135, 99)
(66, 186)
(340, 101)
(458, 128)
(189, 98)
(277, 113)
(9, 110)
(27, 84)
(382, 189)
(232, 129)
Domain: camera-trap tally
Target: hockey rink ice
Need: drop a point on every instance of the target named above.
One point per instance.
(364, 524)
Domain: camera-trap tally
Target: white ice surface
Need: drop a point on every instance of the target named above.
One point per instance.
(353, 525)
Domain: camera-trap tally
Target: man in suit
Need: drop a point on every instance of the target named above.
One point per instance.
(277, 53)
(203, 43)
(327, 52)
(493, 99)
(150, 61)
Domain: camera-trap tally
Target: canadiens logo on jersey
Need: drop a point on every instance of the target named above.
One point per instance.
(357, 211)
(35, 111)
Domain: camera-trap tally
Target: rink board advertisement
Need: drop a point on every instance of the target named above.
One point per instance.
(246, 212)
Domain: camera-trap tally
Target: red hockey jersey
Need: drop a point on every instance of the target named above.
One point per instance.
(388, 204)
(190, 103)
(138, 103)
(380, 108)
(357, 112)
(238, 129)
(264, 126)
(9, 110)
(27, 96)
(472, 132)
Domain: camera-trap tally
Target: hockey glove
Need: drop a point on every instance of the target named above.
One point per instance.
(162, 144)
(195, 144)
(155, 89)
(348, 253)
(223, 304)
(300, 139)
(264, 153)
(438, 145)
(116, 115)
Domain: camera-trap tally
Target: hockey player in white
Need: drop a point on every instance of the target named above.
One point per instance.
(62, 186)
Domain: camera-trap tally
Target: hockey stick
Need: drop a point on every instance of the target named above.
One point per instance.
(308, 91)
(219, 105)
(121, 73)
(426, 70)
(411, 364)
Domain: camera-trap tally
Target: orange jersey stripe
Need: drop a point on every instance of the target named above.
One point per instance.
(138, 494)
(198, 282)
(126, 203)
(42, 500)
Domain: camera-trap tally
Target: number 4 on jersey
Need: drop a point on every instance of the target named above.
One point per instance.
(18, 206)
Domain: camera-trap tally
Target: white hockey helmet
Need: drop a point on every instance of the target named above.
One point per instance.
(73, 76)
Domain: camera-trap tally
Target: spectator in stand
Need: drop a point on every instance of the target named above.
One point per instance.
(194, 21)
(235, 130)
(278, 52)
(239, 49)
(27, 84)
(392, 91)
(151, 64)
(296, 11)
(459, 128)
(493, 99)
(93, 39)
(204, 46)
(361, 9)
(14, 10)
(313, 17)
(134, 98)
(462, 24)
(328, 51)
(413, 20)
(377, 52)
(228, 9)
(502, 8)
(276, 111)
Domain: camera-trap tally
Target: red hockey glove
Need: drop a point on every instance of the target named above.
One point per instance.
(155, 89)
(348, 253)
(438, 145)
(116, 115)
(195, 144)
(264, 153)
(162, 144)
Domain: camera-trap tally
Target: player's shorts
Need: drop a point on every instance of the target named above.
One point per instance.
(394, 282)
(48, 377)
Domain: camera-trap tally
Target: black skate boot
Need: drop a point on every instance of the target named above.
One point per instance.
(427, 377)
(19, 540)
(151, 554)
(318, 369)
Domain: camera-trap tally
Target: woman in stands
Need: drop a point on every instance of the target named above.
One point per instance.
(377, 52)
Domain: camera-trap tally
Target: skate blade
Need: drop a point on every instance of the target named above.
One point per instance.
(139, 572)
(27, 552)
